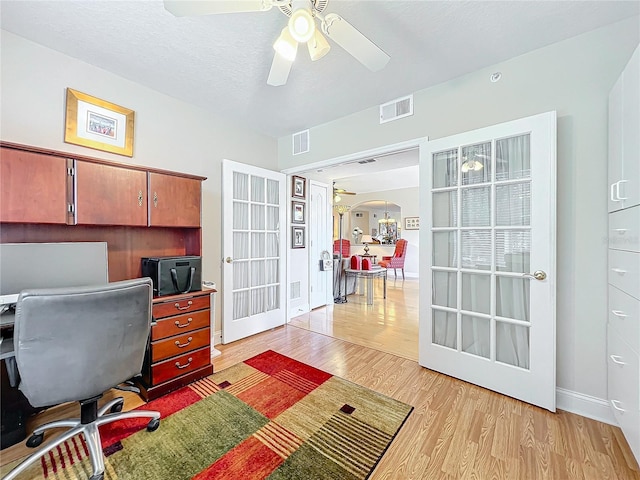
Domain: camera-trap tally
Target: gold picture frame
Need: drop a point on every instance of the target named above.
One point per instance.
(98, 124)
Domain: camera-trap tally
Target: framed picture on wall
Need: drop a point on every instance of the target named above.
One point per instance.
(297, 237)
(412, 223)
(297, 212)
(298, 188)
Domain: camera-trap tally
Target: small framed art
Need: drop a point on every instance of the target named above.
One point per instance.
(297, 212)
(297, 237)
(412, 223)
(298, 188)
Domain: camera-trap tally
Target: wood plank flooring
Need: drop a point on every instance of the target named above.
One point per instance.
(456, 431)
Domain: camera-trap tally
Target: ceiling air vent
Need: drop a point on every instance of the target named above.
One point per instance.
(395, 109)
(301, 142)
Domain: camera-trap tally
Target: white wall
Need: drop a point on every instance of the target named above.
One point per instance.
(572, 77)
(169, 134)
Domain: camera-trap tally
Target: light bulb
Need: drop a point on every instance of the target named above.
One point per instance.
(301, 25)
(286, 46)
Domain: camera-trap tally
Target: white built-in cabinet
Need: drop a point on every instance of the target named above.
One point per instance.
(623, 326)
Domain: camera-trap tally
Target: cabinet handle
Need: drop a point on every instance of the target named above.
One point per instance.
(615, 403)
(612, 195)
(140, 198)
(185, 365)
(182, 325)
(618, 190)
(182, 345)
(177, 305)
(619, 313)
(617, 359)
(155, 199)
(619, 270)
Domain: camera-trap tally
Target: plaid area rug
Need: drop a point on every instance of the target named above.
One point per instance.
(268, 417)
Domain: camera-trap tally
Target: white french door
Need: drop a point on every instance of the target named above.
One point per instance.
(253, 248)
(489, 199)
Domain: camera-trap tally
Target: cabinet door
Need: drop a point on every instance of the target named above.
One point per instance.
(107, 195)
(630, 190)
(615, 145)
(174, 201)
(33, 187)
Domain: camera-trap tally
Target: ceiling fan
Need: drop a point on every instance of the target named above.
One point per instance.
(301, 28)
(339, 191)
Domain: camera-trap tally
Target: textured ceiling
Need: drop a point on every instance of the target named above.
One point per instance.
(221, 62)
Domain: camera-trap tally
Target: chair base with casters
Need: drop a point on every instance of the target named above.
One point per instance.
(90, 419)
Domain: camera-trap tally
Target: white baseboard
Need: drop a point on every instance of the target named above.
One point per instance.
(216, 338)
(585, 405)
(298, 310)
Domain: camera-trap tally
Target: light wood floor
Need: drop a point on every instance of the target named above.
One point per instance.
(389, 325)
(456, 431)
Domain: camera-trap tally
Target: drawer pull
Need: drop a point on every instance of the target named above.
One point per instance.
(182, 345)
(619, 313)
(617, 359)
(182, 325)
(619, 270)
(177, 305)
(185, 365)
(614, 404)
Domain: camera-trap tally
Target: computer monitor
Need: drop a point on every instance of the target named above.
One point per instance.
(47, 265)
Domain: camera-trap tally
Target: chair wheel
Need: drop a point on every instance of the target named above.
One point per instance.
(35, 440)
(153, 425)
(117, 407)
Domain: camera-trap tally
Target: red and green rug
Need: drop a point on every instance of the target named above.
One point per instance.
(268, 417)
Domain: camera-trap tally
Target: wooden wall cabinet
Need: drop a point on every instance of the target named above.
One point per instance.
(33, 187)
(174, 201)
(108, 195)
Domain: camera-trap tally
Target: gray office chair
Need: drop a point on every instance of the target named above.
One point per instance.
(73, 344)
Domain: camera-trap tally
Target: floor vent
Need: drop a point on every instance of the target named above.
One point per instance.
(301, 142)
(295, 290)
(395, 109)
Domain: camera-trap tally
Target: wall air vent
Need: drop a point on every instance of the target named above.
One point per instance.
(301, 142)
(295, 290)
(395, 109)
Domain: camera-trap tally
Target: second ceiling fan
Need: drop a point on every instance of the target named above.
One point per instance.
(301, 28)
(339, 191)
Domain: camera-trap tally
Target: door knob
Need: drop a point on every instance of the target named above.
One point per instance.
(538, 275)
(228, 259)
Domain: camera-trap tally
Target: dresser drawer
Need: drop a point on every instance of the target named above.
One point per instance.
(179, 344)
(624, 317)
(178, 306)
(623, 372)
(624, 229)
(180, 324)
(177, 366)
(624, 271)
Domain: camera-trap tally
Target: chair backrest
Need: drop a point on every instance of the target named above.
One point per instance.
(75, 343)
(342, 245)
(401, 248)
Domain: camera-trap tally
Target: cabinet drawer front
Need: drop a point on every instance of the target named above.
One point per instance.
(624, 229)
(180, 305)
(624, 271)
(624, 373)
(170, 347)
(180, 324)
(181, 365)
(624, 316)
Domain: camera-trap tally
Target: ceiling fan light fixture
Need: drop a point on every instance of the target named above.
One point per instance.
(337, 198)
(301, 24)
(286, 46)
(318, 46)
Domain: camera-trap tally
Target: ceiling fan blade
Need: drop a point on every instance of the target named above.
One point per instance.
(354, 42)
(279, 73)
(184, 8)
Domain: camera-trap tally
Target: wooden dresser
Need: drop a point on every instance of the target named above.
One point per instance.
(180, 345)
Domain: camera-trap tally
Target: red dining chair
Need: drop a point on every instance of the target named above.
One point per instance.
(345, 247)
(397, 261)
